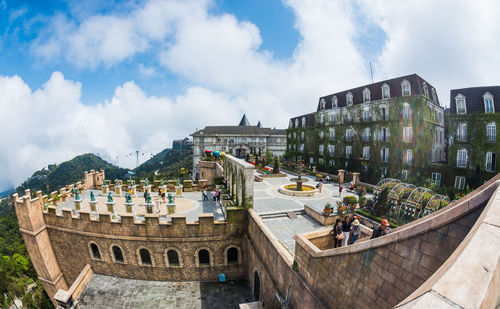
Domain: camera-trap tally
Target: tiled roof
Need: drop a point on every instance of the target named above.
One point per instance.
(309, 120)
(474, 98)
(416, 85)
(243, 130)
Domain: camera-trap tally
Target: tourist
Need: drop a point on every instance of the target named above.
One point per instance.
(214, 194)
(381, 230)
(159, 192)
(352, 186)
(346, 228)
(327, 179)
(338, 235)
(205, 194)
(319, 186)
(225, 184)
(355, 231)
(145, 196)
(340, 189)
(218, 197)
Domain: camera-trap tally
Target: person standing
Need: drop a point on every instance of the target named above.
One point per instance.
(218, 197)
(327, 178)
(355, 231)
(381, 230)
(346, 229)
(338, 235)
(205, 194)
(340, 189)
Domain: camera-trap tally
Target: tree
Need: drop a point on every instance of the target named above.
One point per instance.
(380, 207)
(276, 168)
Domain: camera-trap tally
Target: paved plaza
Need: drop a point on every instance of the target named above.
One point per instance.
(272, 206)
(106, 292)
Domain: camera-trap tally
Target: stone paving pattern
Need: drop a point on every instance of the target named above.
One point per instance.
(285, 228)
(105, 292)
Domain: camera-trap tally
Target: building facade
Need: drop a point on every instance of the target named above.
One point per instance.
(392, 128)
(472, 125)
(237, 140)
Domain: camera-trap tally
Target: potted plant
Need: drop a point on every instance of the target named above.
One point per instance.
(328, 209)
(319, 177)
(341, 208)
(351, 202)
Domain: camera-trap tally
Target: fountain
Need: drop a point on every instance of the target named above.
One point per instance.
(299, 188)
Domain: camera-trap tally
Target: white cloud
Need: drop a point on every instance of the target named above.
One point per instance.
(449, 43)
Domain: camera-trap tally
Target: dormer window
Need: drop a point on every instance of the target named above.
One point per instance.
(322, 104)
(426, 90)
(366, 95)
(434, 96)
(290, 124)
(348, 98)
(303, 122)
(334, 101)
(460, 104)
(405, 88)
(296, 123)
(386, 91)
(489, 107)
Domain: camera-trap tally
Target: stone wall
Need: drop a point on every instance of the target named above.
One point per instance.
(240, 178)
(383, 271)
(268, 258)
(70, 234)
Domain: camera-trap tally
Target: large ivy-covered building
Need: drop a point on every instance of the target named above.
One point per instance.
(392, 128)
(472, 125)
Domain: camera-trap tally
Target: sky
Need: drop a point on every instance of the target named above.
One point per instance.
(112, 77)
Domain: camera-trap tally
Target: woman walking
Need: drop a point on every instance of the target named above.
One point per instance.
(338, 235)
(346, 229)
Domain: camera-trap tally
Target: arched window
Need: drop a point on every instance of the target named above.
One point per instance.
(434, 96)
(426, 90)
(386, 91)
(321, 118)
(290, 124)
(256, 285)
(145, 257)
(462, 132)
(406, 111)
(366, 95)
(232, 256)
(322, 104)
(204, 257)
(173, 258)
(460, 104)
(489, 106)
(117, 254)
(462, 157)
(491, 131)
(405, 88)
(303, 122)
(296, 123)
(349, 98)
(334, 101)
(96, 254)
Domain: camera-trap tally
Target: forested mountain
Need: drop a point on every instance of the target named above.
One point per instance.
(57, 176)
(167, 165)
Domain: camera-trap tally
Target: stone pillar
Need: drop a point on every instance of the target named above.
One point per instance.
(355, 178)
(105, 188)
(118, 190)
(93, 208)
(77, 207)
(171, 208)
(149, 207)
(129, 208)
(178, 191)
(111, 208)
(340, 176)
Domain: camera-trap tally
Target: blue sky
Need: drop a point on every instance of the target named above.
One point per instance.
(112, 77)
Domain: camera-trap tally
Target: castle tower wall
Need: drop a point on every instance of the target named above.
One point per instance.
(32, 226)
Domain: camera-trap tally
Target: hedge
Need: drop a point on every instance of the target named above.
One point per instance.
(374, 218)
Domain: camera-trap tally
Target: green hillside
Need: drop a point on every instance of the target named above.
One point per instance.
(167, 165)
(57, 176)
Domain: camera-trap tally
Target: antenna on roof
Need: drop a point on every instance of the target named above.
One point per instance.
(371, 71)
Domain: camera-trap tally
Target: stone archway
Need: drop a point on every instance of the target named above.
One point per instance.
(256, 285)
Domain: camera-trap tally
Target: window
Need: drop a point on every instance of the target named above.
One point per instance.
(406, 111)
(348, 151)
(173, 258)
(302, 135)
(303, 122)
(301, 149)
(462, 132)
(407, 134)
(385, 154)
(321, 118)
(405, 88)
(348, 117)
(321, 134)
(489, 106)
(331, 149)
(490, 161)
(331, 162)
(322, 104)
(320, 161)
(296, 123)
(332, 134)
(96, 254)
(426, 90)
(332, 118)
(204, 257)
(232, 256)
(348, 134)
(409, 156)
(436, 179)
(386, 91)
(311, 160)
(145, 257)
(462, 158)
(434, 96)
(366, 115)
(460, 104)
(491, 131)
(404, 174)
(321, 148)
(385, 134)
(290, 124)
(348, 99)
(334, 101)
(460, 182)
(366, 134)
(366, 153)
(117, 254)
(385, 113)
(366, 95)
